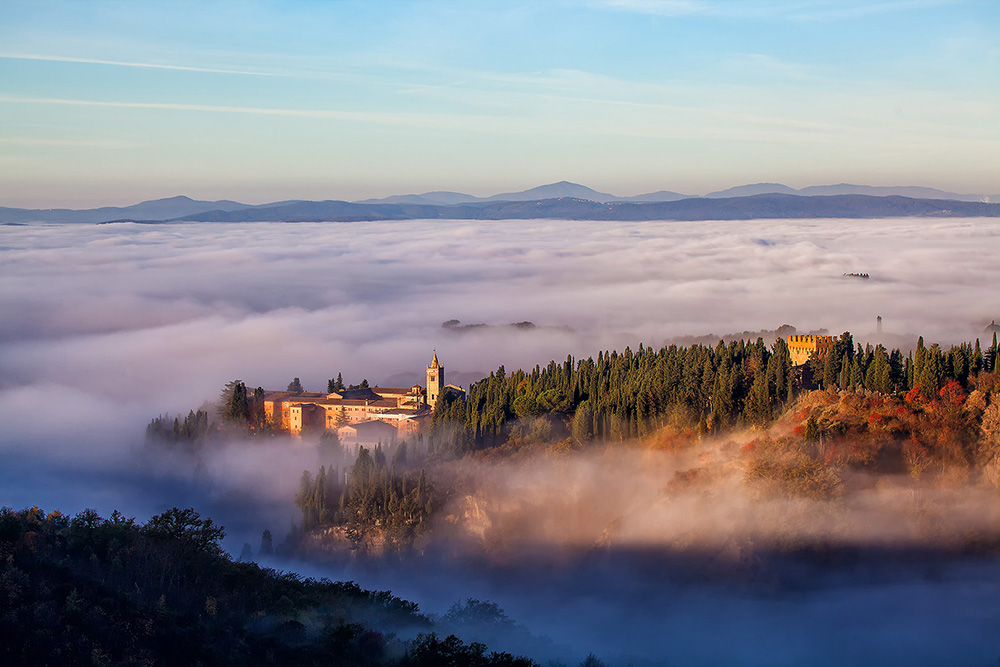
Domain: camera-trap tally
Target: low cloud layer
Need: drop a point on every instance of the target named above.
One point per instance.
(107, 326)
(613, 551)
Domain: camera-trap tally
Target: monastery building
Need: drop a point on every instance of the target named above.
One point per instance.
(361, 416)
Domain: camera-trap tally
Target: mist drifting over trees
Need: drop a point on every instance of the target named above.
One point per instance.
(91, 359)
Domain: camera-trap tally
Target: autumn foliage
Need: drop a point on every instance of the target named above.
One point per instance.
(916, 432)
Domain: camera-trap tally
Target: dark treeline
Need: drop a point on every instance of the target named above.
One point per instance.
(94, 591)
(194, 428)
(631, 394)
(373, 492)
(238, 411)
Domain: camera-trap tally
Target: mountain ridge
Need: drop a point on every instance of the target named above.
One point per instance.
(153, 209)
(775, 206)
(430, 204)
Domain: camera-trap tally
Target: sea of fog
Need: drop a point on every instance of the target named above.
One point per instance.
(105, 326)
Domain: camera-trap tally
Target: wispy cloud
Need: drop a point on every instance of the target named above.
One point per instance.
(70, 143)
(277, 67)
(122, 63)
(798, 10)
(830, 11)
(649, 120)
(361, 116)
(660, 7)
(451, 121)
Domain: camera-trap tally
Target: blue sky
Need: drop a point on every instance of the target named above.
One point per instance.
(115, 102)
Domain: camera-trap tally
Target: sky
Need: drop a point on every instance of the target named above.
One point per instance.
(111, 103)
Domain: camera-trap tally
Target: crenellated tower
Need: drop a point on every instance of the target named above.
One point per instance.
(435, 380)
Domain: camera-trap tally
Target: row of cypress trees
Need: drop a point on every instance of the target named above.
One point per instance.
(630, 394)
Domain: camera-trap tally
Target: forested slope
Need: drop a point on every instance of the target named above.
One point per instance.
(93, 591)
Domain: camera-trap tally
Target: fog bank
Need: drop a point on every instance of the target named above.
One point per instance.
(655, 557)
(107, 326)
(110, 325)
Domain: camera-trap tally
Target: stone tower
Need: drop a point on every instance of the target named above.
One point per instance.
(435, 380)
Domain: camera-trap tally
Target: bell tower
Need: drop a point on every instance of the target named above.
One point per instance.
(435, 380)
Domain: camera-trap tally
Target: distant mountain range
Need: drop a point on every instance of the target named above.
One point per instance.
(576, 191)
(562, 200)
(157, 209)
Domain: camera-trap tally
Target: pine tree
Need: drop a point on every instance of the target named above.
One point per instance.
(919, 358)
(583, 423)
(878, 376)
(856, 372)
(830, 368)
(993, 353)
(305, 500)
(812, 429)
(758, 410)
(236, 408)
(845, 373)
(266, 544)
(399, 457)
(930, 375)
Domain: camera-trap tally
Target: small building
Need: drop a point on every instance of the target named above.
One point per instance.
(802, 348)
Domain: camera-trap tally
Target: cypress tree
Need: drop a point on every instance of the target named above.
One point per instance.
(758, 410)
(845, 373)
(994, 350)
(583, 423)
(236, 408)
(856, 372)
(266, 543)
(878, 376)
(830, 367)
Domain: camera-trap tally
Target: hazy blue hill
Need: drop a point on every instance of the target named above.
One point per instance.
(569, 208)
(796, 206)
(554, 191)
(885, 191)
(313, 211)
(754, 189)
(433, 198)
(550, 191)
(659, 195)
(158, 209)
(540, 202)
(914, 192)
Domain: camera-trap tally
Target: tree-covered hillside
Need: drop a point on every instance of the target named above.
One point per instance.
(93, 591)
(708, 389)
